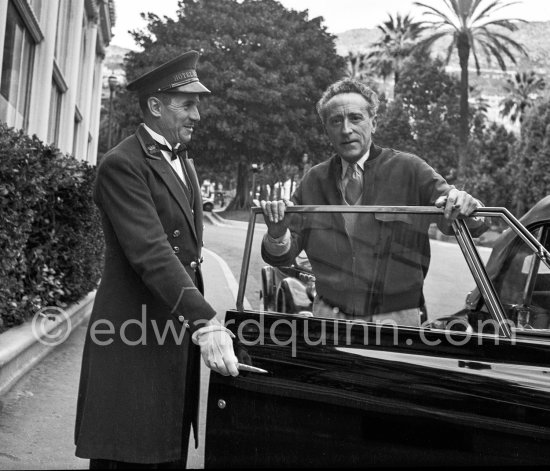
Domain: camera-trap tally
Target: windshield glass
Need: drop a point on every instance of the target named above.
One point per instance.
(389, 266)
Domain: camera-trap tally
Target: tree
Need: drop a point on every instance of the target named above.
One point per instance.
(520, 94)
(356, 65)
(399, 36)
(531, 165)
(266, 66)
(469, 25)
(429, 96)
(490, 176)
(116, 122)
(394, 126)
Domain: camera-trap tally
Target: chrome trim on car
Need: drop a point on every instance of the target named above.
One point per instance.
(478, 269)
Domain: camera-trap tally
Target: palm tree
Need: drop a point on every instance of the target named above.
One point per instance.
(471, 29)
(520, 94)
(399, 36)
(356, 65)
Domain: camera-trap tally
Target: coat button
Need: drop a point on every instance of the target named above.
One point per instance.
(176, 249)
(181, 318)
(193, 264)
(176, 233)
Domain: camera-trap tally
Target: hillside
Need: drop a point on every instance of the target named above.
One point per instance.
(114, 60)
(535, 37)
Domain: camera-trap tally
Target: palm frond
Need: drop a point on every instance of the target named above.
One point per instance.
(473, 45)
(485, 11)
(507, 24)
(503, 42)
(450, 49)
(429, 40)
(432, 11)
(492, 8)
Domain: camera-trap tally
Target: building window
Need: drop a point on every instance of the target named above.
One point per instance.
(37, 7)
(55, 113)
(84, 51)
(17, 70)
(62, 34)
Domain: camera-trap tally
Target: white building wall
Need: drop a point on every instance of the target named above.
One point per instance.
(74, 38)
(3, 13)
(95, 111)
(43, 71)
(87, 104)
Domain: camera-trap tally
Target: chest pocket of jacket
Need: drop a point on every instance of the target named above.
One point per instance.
(326, 240)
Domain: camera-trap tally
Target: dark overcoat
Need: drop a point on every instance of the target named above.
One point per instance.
(139, 385)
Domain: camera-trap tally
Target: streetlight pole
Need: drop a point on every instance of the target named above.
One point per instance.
(254, 172)
(113, 81)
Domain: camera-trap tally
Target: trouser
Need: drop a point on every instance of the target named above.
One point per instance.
(192, 375)
(178, 464)
(408, 317)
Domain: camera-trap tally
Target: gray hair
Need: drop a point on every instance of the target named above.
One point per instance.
(348, 85)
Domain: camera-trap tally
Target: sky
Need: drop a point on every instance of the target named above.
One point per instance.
(339, 15)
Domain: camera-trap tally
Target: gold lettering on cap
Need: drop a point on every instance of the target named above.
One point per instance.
(184, 75)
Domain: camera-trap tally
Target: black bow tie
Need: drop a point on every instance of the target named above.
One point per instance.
(177, 151)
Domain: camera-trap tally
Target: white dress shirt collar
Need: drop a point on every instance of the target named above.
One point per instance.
(157, 137)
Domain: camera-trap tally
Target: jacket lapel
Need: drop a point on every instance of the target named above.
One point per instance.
(333, 192)
(368, 180)
(159, 164)
(190, 166)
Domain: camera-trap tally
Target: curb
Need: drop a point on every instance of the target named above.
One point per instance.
(231, 280)
(215, 219)
(218, 220)
(22, 348)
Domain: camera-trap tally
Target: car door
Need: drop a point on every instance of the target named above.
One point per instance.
(469, 387)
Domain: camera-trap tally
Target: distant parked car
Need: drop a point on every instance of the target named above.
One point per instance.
(208, 202)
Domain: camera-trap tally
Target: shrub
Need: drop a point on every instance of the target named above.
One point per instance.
(51, 243)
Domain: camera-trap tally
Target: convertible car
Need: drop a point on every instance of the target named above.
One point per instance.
(468, 384)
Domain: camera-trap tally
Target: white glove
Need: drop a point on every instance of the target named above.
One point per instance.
(216, 344)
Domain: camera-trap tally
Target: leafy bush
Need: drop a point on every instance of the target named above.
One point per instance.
(51, 243)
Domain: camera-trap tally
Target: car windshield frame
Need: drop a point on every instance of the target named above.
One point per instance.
(463, 236)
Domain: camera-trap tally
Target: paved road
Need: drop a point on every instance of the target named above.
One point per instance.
(228, 242)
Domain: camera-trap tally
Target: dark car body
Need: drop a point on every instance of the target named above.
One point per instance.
(347, 393)
(208, 201)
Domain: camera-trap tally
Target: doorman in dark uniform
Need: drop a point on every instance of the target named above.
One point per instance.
(139, 385)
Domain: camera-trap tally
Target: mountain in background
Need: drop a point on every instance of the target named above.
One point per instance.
(534, 36)
(114, 63)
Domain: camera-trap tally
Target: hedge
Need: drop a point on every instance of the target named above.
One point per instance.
(51, 242)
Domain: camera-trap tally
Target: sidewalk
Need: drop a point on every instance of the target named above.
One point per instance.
(37, 414)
